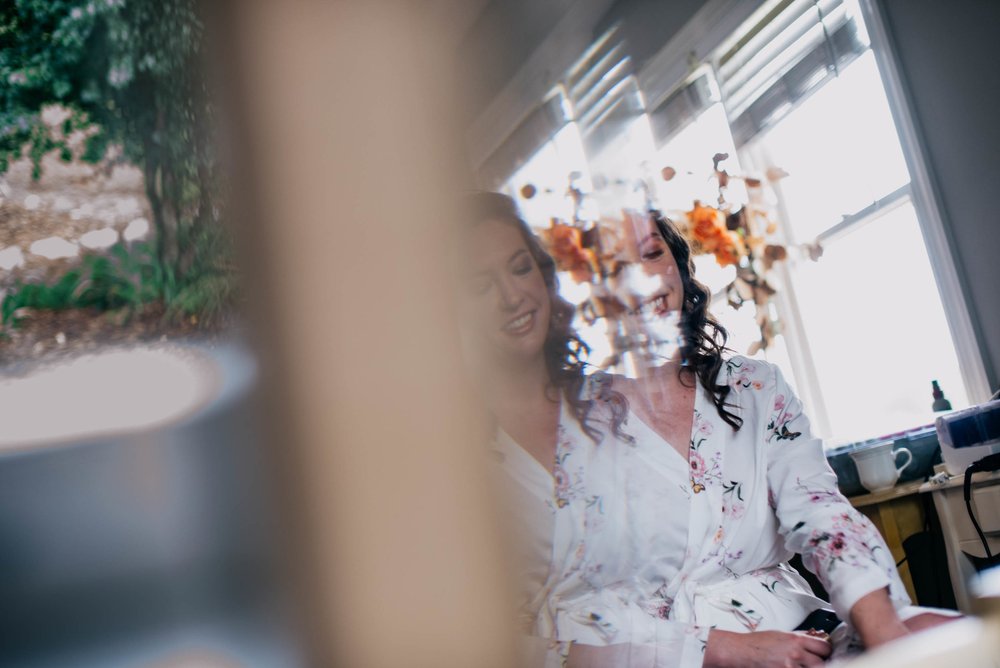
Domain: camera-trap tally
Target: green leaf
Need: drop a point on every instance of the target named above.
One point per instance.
(61, 89)
(96, 147)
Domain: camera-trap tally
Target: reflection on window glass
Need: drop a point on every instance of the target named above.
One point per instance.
(870, 305)
(841, 152)
(877, 330)
(840, 149)
(689, 152)
(547, 173)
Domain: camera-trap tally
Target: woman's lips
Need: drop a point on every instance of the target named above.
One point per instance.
(520, 325)
(660, 306)
(656, 306)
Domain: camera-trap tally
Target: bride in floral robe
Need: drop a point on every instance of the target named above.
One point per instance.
(656, 514)
(649, 552)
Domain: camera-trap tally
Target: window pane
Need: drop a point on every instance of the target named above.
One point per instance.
(689, 153)
(548, 172)
(876, 329)
(840, 148)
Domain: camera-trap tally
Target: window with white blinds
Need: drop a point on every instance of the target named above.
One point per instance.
(603, 92)
(795, 87)
(789, 53)
(864, 327)
(540, 126)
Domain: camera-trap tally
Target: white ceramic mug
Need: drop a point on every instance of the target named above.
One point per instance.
(877, 465)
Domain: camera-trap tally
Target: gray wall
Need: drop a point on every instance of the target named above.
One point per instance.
(544, 37)
(947, 54)
(499, 43)
(647, 25)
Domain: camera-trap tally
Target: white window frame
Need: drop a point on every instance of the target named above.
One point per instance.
(696, 43)
(929, 216)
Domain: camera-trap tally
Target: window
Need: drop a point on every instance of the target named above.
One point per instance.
(547, 171)
(699, 132)
(864, 329)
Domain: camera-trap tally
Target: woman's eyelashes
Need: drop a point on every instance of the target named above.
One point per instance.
(521, 264)
(522, 268)
(481, 284)
(652, 253)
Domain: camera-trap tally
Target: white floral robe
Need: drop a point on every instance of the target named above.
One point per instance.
(632, 547)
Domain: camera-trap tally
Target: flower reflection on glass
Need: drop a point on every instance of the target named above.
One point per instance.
(647, 283)
(648, 341)
(738, 231)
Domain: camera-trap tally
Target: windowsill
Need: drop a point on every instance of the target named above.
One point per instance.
(921, 442)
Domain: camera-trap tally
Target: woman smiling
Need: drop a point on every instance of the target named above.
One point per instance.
(657, 512)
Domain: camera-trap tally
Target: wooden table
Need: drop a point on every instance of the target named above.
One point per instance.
(897, 513)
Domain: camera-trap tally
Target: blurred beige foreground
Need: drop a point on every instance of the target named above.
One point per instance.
(350, 168)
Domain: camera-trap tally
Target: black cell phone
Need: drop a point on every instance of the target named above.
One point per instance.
(820, 620)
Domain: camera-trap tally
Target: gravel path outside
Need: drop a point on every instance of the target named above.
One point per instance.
(70, 200)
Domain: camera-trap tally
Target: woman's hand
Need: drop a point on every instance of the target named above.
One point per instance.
(765, 649)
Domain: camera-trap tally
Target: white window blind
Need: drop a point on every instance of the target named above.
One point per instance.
(534, 131)
(603, 91)
(682, 107)
(789, 53)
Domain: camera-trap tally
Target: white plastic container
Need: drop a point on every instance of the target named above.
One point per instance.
(969, 435)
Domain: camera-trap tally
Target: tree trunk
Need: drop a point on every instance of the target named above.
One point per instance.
(168, 203)
(150, 169)
(161, 190)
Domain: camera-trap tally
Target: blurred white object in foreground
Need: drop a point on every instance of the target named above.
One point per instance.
(106, 393)
(969, 643)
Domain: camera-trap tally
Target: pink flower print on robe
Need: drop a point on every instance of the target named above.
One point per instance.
(740, 375)
(778, 425)
(697, 464)
(702, 473)
(562, 485)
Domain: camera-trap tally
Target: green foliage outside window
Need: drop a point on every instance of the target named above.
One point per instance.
(131, 74)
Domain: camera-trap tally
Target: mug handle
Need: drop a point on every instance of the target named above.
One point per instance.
(909, 458)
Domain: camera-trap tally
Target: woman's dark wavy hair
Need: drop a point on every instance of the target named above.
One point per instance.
(704, 339)
(565, 353)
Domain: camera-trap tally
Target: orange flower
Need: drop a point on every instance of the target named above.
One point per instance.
(566, 247)
(708, 227)
(727, 255)
(708, 234)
